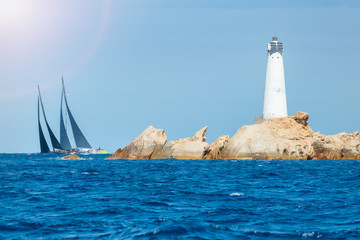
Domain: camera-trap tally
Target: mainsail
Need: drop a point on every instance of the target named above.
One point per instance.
(44, 148)
(79, 137)
(64, 139)
(55, 143)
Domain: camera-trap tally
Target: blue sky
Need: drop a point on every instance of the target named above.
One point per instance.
(177, 65)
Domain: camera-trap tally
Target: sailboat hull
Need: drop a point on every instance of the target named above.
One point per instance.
(86, 151)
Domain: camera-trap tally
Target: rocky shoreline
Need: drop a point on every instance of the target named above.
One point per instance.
(278, 138)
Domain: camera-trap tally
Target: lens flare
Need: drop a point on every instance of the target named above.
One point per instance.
(36, 32)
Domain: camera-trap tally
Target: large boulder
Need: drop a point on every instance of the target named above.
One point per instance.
(186, 148)
(150, 141)
(301, 117)
(72, 157)
(216, 147)
(278, 138)
(339, 146)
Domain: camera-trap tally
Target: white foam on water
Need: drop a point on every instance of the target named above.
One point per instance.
(309, 234)
(237, 194)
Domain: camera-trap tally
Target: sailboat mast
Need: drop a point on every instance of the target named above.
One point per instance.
(64, 139)
(44, 148)
(63, 86)
(43, 111)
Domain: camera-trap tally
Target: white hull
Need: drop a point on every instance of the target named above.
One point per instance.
(86, 151)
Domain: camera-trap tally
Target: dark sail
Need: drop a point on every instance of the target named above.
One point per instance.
(55, 143)
(44, 148)
(79, 137)
(64, 139)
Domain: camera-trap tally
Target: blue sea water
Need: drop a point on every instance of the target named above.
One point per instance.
(44, 197)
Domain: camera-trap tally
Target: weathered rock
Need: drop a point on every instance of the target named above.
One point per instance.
(216, 147)
(339, 146)
(150, 141)
(301, 117)
(186, 148)
(72, 157)
(277, 138)
(200, 135)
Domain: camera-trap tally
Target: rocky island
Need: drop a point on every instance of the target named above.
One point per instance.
(277, 138)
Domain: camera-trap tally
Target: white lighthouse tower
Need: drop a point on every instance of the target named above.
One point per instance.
(275, 94)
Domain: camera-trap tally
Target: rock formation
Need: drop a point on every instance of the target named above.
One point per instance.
(301, 117)
(72, 157)
(186, 148)
(150, 141)
(278, 138)
(340, 146)
(216, 147)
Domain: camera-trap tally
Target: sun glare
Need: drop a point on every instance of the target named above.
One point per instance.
(34, 32)
(13, 11)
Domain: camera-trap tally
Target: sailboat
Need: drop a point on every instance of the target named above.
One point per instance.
(82, 144)
(44, 147)
(64, 146)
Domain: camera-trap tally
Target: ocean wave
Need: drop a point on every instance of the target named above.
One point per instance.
(42, 197)
(237, 194)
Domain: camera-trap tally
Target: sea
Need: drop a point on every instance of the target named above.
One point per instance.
(46, 197)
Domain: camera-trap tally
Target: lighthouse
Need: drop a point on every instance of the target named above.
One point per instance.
(275, 94)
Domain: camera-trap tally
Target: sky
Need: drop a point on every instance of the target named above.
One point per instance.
(177, 65)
